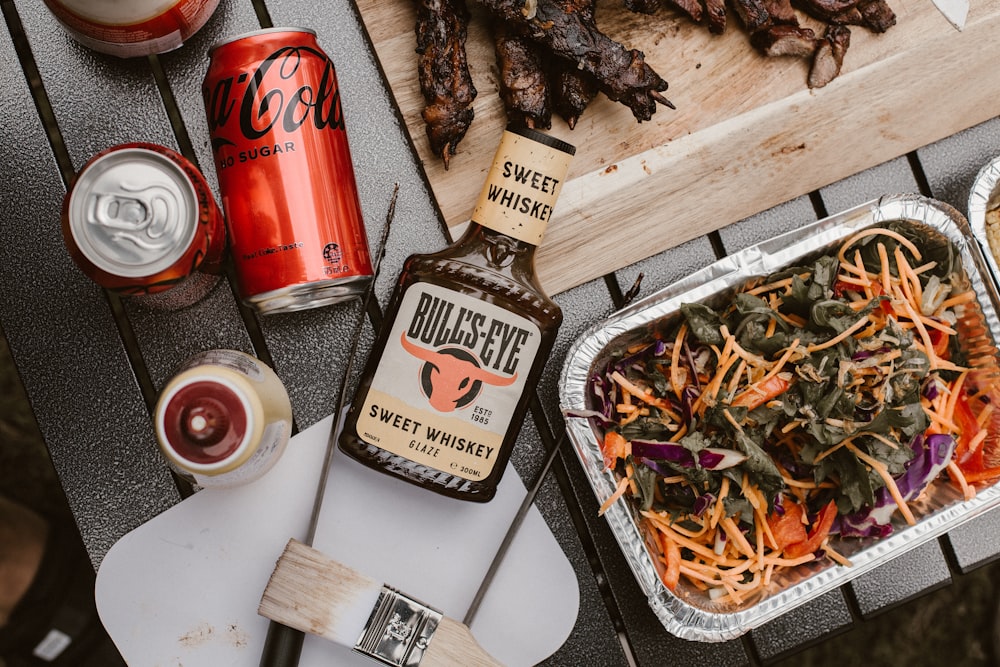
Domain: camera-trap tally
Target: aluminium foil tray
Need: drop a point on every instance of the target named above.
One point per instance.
(690, 613)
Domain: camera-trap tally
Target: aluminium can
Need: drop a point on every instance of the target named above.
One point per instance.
(135, 28)
(285, 173)
(223, 419)
(141, 221)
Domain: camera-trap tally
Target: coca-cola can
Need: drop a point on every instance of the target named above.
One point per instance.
(134, 28)
(285, 172)
(141, 221)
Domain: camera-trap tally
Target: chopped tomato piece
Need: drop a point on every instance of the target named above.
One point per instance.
(939, 342)
(818, 534)
(615, 447)
(760, 393)
(788, 527)
(983, 475)
(841, 287)
(968, 427)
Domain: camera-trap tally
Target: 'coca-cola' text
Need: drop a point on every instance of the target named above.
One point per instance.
(267, 100)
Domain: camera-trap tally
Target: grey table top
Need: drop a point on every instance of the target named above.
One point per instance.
(92, 363)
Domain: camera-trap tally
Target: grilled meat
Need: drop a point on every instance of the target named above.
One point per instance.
(642, 6)
(622, 74)
(572, 90)
(826, 10)
(876, 15)
(785, 40)
(445, 81)
(829, 55)
(524, 85)
(753, 14)
(692, 8)
(715, 16)
(781, 11)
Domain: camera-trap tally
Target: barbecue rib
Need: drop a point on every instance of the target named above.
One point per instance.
(622, 74)
(523, 83)
(572, 90)
(444, 75)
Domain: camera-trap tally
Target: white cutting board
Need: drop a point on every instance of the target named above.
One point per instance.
(182, 590)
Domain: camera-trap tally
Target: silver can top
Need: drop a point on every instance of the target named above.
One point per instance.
(133, 212)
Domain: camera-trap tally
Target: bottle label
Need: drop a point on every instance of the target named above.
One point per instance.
(450, 377)
(522, 187)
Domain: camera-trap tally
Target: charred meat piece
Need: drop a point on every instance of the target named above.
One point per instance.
(642, 6)
(692, 8)
(715, 16)
(622, 74)
(826, 10)
(877, 15)
(524, 86)
(829, 56)
(785, 40)
(781, 11)
(753, 14)
(445, 81)
(572, 90)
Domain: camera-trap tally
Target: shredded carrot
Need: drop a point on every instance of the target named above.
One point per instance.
(772, 326)
(645, 395)
(886, 274)
(957, 476)
(619, 492)
(875, 231)
(957, 300)
(890, 483)
(839, 337)
(675, 360)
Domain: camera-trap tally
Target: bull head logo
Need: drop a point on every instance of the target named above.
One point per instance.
(450, 377)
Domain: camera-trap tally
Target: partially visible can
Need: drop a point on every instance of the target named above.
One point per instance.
(285, 171)
(140, 220)
(223, 419)
(134, 28)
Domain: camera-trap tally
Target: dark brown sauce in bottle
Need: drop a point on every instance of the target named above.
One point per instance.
(475, 321)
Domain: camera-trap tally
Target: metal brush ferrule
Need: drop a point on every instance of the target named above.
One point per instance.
(399, 629)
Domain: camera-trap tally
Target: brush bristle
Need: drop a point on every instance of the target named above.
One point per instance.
(313, 593)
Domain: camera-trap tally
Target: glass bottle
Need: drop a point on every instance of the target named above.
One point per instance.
(465, 338)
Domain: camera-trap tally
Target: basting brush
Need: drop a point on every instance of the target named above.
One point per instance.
(313, 593)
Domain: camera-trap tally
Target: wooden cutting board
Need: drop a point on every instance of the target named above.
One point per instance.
(747, 133)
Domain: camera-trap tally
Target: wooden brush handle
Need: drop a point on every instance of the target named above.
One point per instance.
(454, 646)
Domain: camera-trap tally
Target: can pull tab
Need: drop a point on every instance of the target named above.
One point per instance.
(205, 422)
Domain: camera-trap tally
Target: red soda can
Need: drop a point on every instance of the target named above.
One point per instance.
(285, 173)
(140, 220)
(134, 28)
